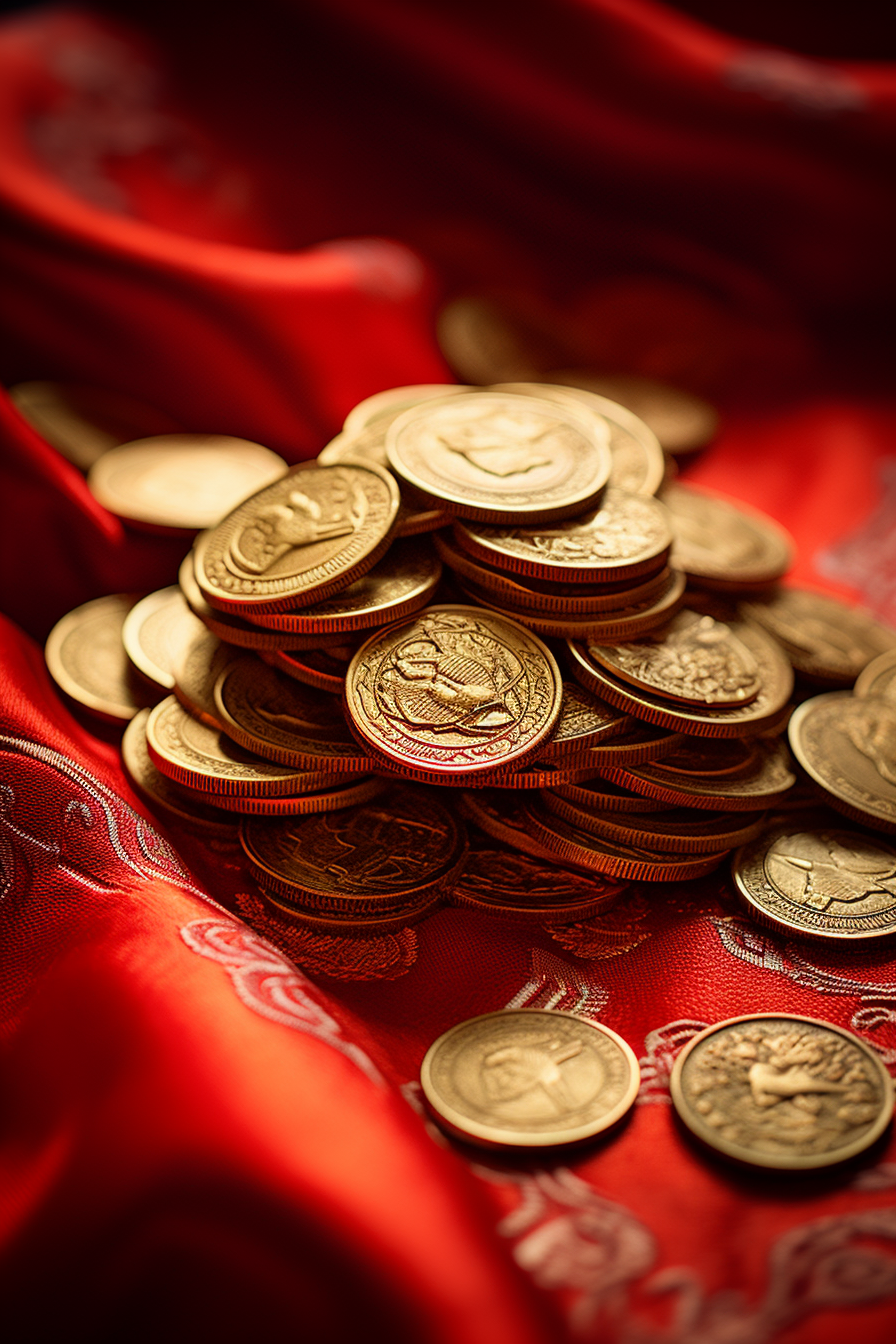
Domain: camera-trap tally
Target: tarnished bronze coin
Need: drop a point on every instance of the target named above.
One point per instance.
(802, 879)
(675, 831)
(86, 659)
(517, 886)
(325, 793)
(878, 678)
(626, 536)
(826, 640)
(780, 1091)
(501, 458)
(453, 692)
(181, 482)
(847, 744)
(681, 421)
(156, 631)
(527, 1078)
(282, 720)
(398, 585)
(161, 792)
(83, 422)
(637, 460)
(192, 753)
(717, 540)
(379, 856)
(584, 722)
(300, 540)
(726, 775)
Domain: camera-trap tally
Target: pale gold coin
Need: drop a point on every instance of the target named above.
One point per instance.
(847, 744)
(583, 722)
(155, 632)
(393, 400)
(626, 536)
(826, 640)
(83, 422)
(181, 482)
(300, 540)
(501, 458)
(878, 678)
(718, 540)
(192, 753)
(453, 692)
(800, 878)
(527, 1078)
(637, 460)
(199, 663)
(489, 340)
(781, 1091)
(283, 720)
(200, 814)
(86, 659)
(369, 444)
(727, 774)
(681, 421)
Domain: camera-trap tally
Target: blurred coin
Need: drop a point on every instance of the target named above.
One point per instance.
(452, 692)
(300, 540)
(155, 631)
(780, 1091)
(517, 886)
(393, 400)
(86, 659)
(484, 341)
(83, 422)
(527, 1078)
(717, 539)
(681, 421)
(833, 884)
(675, 831)
(826, 640)
(161, 792)
(848, 745)
(181, 482)
(501, 458)
(726, 775)
(878, 678)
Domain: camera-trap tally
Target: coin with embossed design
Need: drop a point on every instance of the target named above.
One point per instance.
(780, 1091)
(820, 883)
(878, 678)
(681, 421)
(726, 775)
(201, 814)
(393, 400)
(529, 1078)
(847, 744)
(199, 663)
(369, 444)
(307, 536)
(86, 659)
(83, 422)
(501, 458)
(154, 633)
(826, 640)
(454, 692)
(720, 541)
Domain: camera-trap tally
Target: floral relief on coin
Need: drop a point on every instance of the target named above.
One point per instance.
(694, 658)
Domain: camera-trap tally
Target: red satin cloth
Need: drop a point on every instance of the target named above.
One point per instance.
(251, 223)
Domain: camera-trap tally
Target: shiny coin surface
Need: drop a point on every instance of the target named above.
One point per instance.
(517, 886)
(501, 458)
(325, 793)
(626, 859)
(224, 625)
(454, 691)
(393, 400)
(675, 831)
(681, 421)
(819, 883)
(636, 743)
(781, 1091)
(197, 667)
(878, 678)
(192, 753)
(83, 422)
(300, 540)
(727, 775)
(86, 659)
(626, 536)
(826, 640)
(161, 792)
(316, 668)
(282, 720)
(369, 444)
(156, 631)
(181, 482)
(719, 540)
(601, 793)
(847, 744)
(383, 855)
(356, 925)
(527, 1078)
(584, 722)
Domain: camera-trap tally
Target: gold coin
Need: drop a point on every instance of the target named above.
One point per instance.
(318, 668)
(878, 678)
(637, 743)
(517, 886)
(623, 859)
(280, 719)
(774, 677)
(485, 340)
(197, 666)
(190, 752)
(625, 537)
(725, 775)
(584, 722)
(324, 793)
(718, 540)
(223, 624)
(498, 815)
(539, 775)
(83, 422)
(501, 458)
(379, 856)
(200, 815)
(676, 831)
(600, 793)
(181, 482)
(819, 883)
(372, 924)
(300, 540)
(848, 745)
(826, 640)
(400, 584)
(155, 631)
(393, 400)
(637, 460)
(86, 659)
(781, 1091)
(369, 444)
(453, 692)
(528, 1078)
(681, 421)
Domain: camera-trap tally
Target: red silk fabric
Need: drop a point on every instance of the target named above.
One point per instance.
(251, 224)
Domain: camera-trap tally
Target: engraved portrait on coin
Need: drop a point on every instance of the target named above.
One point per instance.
(782, 1091)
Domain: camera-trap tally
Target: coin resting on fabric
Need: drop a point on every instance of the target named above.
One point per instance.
(86, 659)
